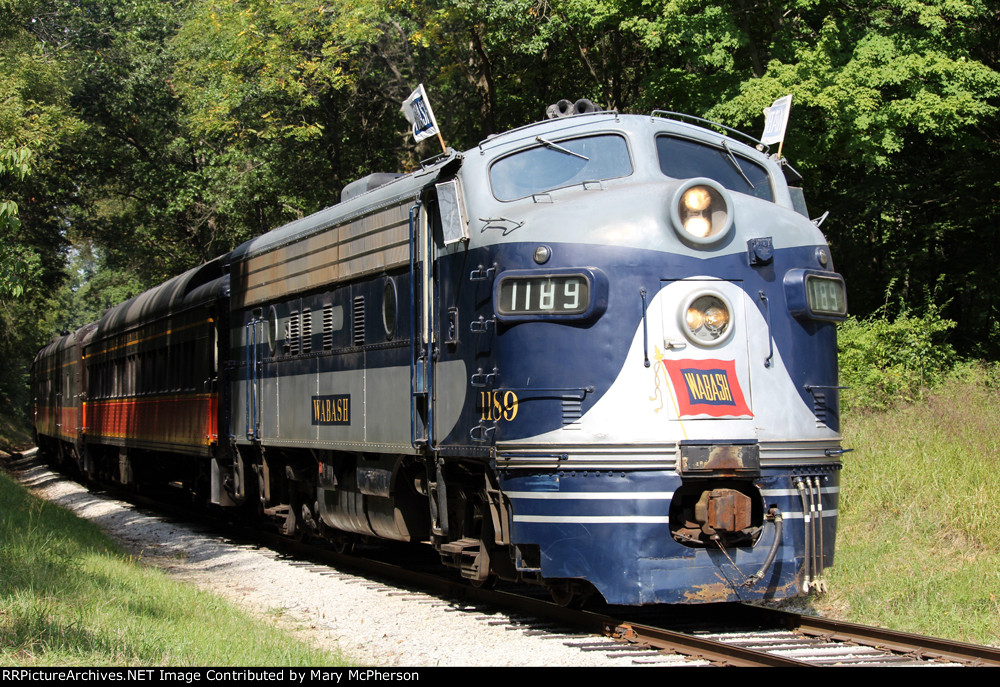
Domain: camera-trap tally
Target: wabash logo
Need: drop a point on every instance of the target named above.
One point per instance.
(707, 387)
(331, 410)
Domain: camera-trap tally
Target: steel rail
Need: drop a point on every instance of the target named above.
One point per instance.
(918, 646)
(707, 649)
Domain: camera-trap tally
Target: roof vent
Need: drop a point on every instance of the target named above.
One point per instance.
(366, 184)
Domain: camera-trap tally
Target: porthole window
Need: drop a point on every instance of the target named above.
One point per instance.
(389, 308)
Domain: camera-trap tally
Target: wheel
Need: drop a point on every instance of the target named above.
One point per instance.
(489, 583)
(563, 594)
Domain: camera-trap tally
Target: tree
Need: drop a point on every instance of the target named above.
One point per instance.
(895, 118)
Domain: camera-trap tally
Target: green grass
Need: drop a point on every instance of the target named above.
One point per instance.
(918, 548)
(69, 596)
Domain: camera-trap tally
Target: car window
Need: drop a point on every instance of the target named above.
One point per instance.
(682, 158)
(557, 163)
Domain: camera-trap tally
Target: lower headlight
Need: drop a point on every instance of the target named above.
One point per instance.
(707, 319)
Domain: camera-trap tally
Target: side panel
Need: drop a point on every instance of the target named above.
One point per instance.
(378, 241)
(153, 387)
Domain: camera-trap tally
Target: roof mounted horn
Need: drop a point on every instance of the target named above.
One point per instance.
(565, 108)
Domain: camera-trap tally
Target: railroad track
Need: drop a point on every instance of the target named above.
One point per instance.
(721, 634)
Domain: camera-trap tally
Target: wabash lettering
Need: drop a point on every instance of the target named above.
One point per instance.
(707, 387)
(710, 386)
(331, 410)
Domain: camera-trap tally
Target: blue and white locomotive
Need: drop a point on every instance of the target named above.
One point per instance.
(596, 353)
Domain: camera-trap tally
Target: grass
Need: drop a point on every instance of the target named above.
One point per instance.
(918, 547)
(70, 597)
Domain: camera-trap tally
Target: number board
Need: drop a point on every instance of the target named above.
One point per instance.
(549, 295)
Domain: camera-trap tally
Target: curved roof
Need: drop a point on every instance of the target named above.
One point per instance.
(198, 285)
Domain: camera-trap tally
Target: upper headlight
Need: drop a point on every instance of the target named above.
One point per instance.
(696, 199)
(701, 212)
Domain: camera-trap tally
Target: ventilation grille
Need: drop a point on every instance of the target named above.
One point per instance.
(293, 330)
(307, 332)
(572, 411)
(327, 327)
(358, 319)
(820, 409)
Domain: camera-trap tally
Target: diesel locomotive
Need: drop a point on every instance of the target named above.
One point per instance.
(597, 353)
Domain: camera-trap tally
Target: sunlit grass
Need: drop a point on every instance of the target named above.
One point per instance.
(919, 542)
(69, 596)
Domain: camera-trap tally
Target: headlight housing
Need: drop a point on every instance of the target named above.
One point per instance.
(707, 319)
(701, 212)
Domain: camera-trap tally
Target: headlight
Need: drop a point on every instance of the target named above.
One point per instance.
(707, 319)
(701, 212)
(696, 199)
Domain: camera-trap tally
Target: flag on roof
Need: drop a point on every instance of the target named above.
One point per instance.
(418, 112)
(776, 120)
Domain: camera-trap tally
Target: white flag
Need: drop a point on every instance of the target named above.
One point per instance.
(417, 110)
(776, 120)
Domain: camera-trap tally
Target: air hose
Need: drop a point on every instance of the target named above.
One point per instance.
(775, 516)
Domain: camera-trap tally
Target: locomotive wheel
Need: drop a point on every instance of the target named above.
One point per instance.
(489, 583)
(563, 594)
(570, 593)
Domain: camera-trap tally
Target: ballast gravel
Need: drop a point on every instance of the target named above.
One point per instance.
(368, 623)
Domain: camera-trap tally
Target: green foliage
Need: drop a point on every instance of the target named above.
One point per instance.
(886, 361)
(262, 69)
(264, 92)
(36, 125)
(21, 265)
(33, 121)
(894, 109)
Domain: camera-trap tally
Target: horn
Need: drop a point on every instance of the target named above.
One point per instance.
(563, 108)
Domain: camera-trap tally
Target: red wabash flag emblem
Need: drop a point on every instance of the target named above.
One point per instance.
(707, 387)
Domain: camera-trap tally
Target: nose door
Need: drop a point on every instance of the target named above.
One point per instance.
(705, 349)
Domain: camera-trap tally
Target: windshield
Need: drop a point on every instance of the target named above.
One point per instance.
(557, 163)
(682, 158)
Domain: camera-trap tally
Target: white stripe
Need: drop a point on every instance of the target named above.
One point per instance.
(593, 495)
(827, 513)
(595, 519)
(632, 519)
(795, 492)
